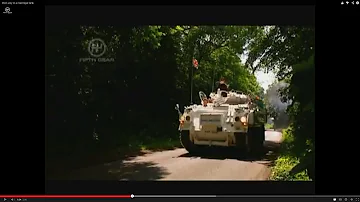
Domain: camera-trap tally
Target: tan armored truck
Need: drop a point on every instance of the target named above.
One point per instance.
(226, 119)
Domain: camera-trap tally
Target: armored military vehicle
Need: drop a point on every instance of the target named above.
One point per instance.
(225, 119)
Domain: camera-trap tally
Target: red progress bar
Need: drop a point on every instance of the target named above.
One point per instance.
(65, 196)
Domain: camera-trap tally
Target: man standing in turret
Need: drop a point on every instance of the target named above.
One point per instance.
(223, 86)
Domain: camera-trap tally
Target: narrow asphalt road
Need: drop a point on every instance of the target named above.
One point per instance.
(179, 165)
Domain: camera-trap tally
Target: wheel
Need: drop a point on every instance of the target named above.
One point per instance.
(240, 139)
(256, 138)
(186, 142)
(240, 148)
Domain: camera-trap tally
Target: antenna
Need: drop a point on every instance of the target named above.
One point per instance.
(213, 81)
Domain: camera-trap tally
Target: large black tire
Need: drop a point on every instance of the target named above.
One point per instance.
(240, 139)
(186, 142)
(256, 138)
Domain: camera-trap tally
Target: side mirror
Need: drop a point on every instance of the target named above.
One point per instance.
(177, 107)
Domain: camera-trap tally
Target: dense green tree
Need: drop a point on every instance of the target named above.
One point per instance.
(290, 51)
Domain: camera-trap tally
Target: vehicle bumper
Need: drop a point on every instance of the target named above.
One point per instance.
(224, 139)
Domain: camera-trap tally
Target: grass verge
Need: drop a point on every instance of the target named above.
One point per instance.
(269, 126)
(155, 144)
(286, 161)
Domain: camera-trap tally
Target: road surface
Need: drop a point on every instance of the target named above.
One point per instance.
(179, 165)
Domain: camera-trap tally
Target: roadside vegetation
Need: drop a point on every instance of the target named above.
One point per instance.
(287, 160)
(269, 126)
(296, 90)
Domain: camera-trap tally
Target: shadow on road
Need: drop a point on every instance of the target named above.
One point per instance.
(135, 171)
(120, 170)
(267, 158)
(271, 146)
(118, 167)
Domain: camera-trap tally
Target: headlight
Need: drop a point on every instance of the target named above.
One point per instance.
(237, 119)
(243, 119)
(188, 118)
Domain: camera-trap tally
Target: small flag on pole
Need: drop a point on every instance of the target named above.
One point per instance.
(195, 63)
